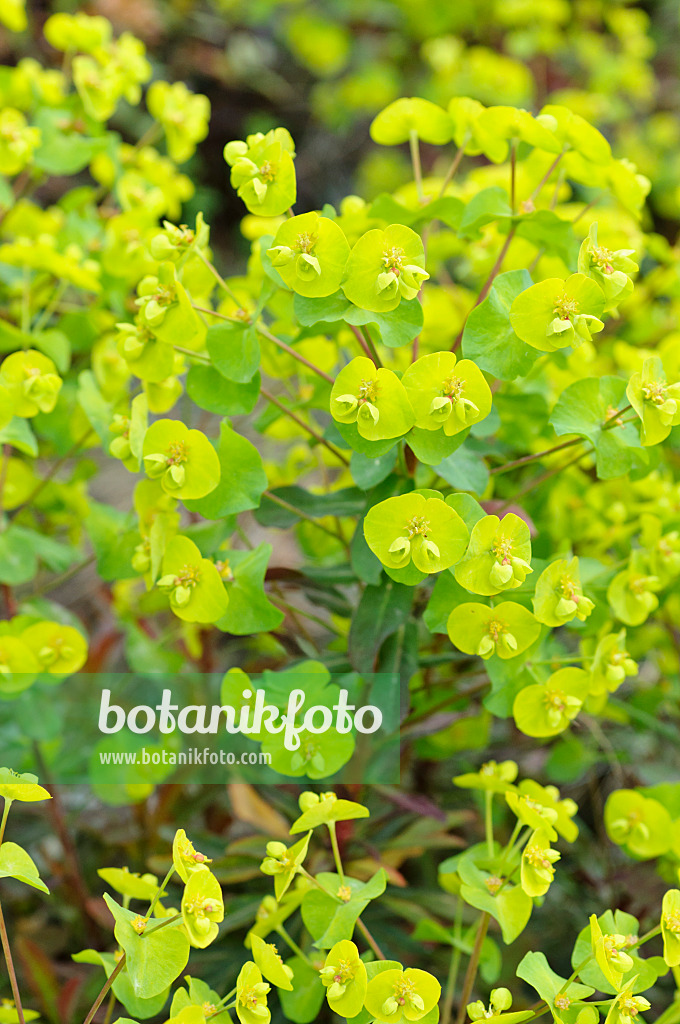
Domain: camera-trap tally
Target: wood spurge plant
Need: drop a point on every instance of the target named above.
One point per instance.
(419, 433)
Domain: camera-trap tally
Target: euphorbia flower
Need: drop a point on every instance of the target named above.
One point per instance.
(506, 630)
(384, 267)
(193, 584)
(396, 994)
(60, 650)
(32, 381)
(251, 996)
(546, 709)
(559, 596)
(23, 788)
(284, 863)
(445, 393)
(537, 871)
(631, 593)
(310, 253)
(626, 1008)
(185, 857)
(553, 314)
(183, 460)
(267, 958)
(344, 977)
(609, 951)
(610, 269)
(374, 399)
(611, 664)
(411, 527)
(498, 555)
(670, 927)
(263, 172)
(640, 823)
(656, 402)
(202, 908)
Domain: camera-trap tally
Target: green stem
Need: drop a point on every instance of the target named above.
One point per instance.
(527, 459)
(57, 466)
(574, 974)
(305, 426)
(544, 179)
(5, 815)
(293, 945)
(488, 820)
(454, 966)
(473, 965)
(455, 163)
(513, 172)
(226, 998)
(105, 988)
(159, 893)
(4, 941)
(218, 277)
(652, 933)
(336, 851)
(417, 167)
(303, 515)
(370, 940)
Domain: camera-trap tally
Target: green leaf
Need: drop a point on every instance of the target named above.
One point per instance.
(234, 350)
(330, 920)
(397, 327)
(489, 338)
(302, 1005)
(154, 959)
(433, 446)
(548, 231)
(211, 391)
(57, 556)
(535, 969)
(381, 611)
(250, 610)
(365, 564)
(464, 470)
(242, 479)
(372, 449)
(488, 205)
(368, 471)
(18, 433)
(448, 210)
(18, 561)
(348, 501)
(95, 407)
(16, 863)
(583, 408)
(112, 538)
(446, 595)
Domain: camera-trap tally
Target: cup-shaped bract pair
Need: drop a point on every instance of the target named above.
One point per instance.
(184, 116)
(554, 313)
(492, 777)
(61, 650)
(546, 709)
(310, 253)
(559, 596)
(176, 242)
(374, 399)
(192, 583)
(268, 959)
(413, 528)
(506, 630)
(537, 867)
(202, 908)
(627, 1007)
(631, 594)
(186, 859)
(656, 402)
(498, 556)
(23, 788)
(499, 126)
(670, 927)
(183, 460)
(639, 823)
(18, 141)
(344, 978)
(611, 664)
(32, 381)
(446, 393)
(611, 269)
(394, 995)
(385, 267)
(325, 809)
(263, 172)
(610, 953)
(284, 863)
(536, 814)
(411, 117)
(165, 309)
(251, 996)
